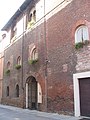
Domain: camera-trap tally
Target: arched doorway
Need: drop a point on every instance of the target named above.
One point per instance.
(31, 93)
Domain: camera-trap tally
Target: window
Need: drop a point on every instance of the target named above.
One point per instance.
(3, 36)
(34, 54)
(18, 65)
(7, 91)
(17, 90)
(81, 34)
(19, 60)
(8, 65)
(30, 17)
(13, 32)
(34, 15)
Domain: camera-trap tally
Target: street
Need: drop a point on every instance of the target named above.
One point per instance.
(14, 113)
(6, 114)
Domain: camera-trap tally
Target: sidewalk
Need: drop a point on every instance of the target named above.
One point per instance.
(42, 114)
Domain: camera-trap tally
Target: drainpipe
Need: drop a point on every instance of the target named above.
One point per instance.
(45, 59)
(22, 56)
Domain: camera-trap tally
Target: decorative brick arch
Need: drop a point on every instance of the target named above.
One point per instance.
(39, 78)
(77, 24)
(41, 89)
(31, 93)
(31, 48)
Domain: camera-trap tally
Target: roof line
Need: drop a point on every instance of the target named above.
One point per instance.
(17, 13)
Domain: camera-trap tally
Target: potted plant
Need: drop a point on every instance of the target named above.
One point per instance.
(7, 71)
(30, 24)
(85, 42)
(18, 66)
(81, 44)
(33, 61)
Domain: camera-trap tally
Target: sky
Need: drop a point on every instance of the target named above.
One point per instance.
(7, 9)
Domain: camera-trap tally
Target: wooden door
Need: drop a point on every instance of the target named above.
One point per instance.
(32, 94)
(84, 87)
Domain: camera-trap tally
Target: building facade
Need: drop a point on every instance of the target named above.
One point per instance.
(46, 62)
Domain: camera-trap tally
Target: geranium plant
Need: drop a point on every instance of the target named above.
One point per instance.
(18, 66)
(33, 61)
(81, 44)
(7, 71)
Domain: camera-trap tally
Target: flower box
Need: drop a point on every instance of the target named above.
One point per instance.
(81, 44)
(18, 67)
(7, 72)
(33, 61)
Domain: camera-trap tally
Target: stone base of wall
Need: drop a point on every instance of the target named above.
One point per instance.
(19, 103)
(51, 108)
(12, 102)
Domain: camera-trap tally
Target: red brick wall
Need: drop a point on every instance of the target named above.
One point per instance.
(61, 55)
(1, 74)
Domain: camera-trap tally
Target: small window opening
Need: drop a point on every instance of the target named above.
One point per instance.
(19, 60)
(17, 90)
(8, 65)
(34, 54)
(34, 15)
(7, 92)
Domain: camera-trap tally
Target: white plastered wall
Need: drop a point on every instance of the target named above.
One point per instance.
(42, 8)
(4, 42)
(21, 25)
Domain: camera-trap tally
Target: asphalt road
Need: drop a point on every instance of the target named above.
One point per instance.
(13, 113)
(6, 114)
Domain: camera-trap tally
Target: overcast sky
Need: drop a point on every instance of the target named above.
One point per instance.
(7, 9)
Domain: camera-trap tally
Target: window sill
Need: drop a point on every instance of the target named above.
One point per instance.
(81, 44)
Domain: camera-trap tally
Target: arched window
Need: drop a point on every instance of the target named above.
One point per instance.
(30, 17)
(3, 35)
(34, 15)
(19, 60)
(13, 32)
(8, 65)
(7, 91)
(34, 54)
(81, 34)
(17, 90)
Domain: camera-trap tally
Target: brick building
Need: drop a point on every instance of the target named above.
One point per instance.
(46, 61)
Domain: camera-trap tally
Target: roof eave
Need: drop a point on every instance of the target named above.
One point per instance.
(17, 13)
